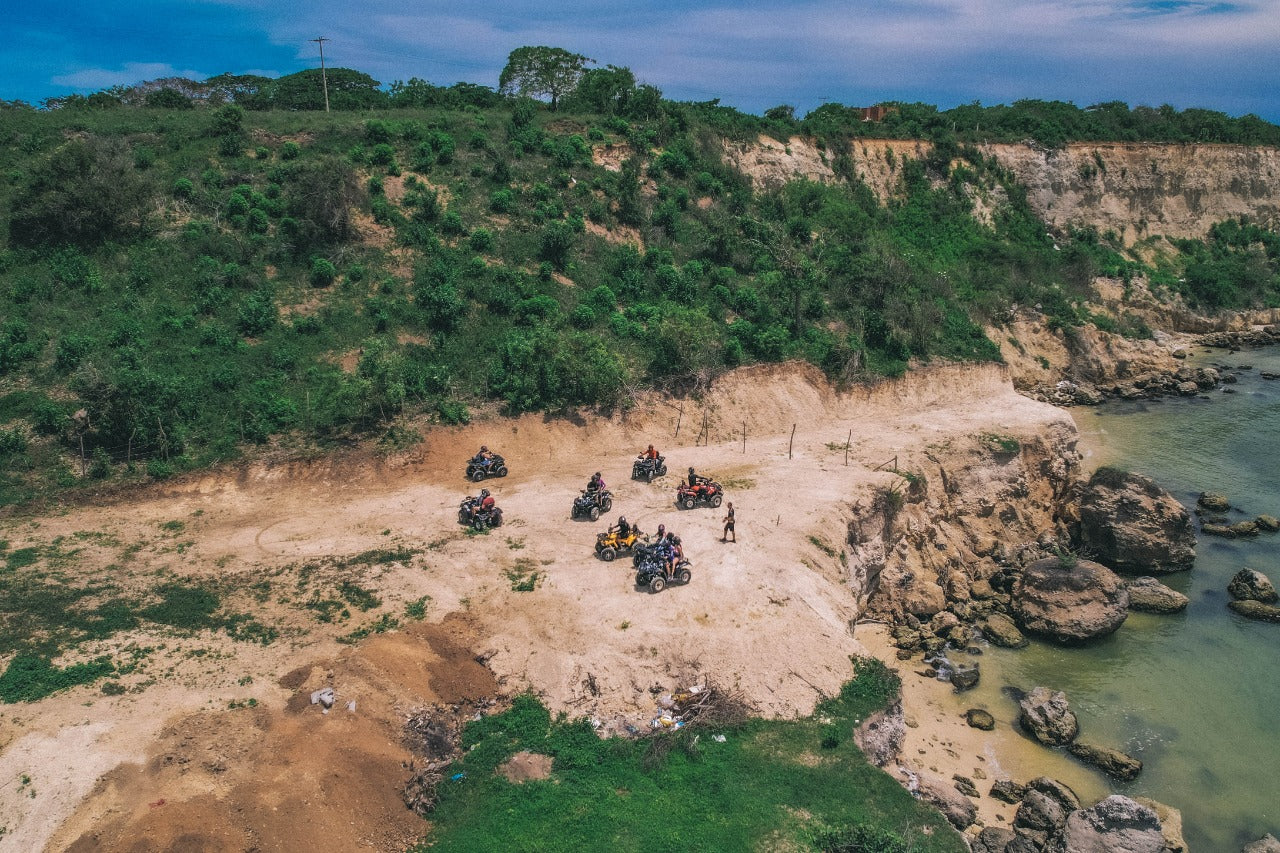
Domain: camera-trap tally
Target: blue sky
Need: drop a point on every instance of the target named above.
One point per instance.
(751, 54)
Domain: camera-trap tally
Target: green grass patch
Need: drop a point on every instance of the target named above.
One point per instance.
(31, 677)
(778, 784)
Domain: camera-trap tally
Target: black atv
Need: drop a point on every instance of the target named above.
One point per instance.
(591, 503)
(479, 519)
(647, 469)
(478, 468)
(651, 570)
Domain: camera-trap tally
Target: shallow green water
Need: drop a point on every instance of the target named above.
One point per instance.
(1195, 696)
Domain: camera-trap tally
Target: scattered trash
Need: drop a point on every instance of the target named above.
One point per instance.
(457, 777)
(157, 803)
(323, 696)
(719, 738)
(595, 723)
(351, 706)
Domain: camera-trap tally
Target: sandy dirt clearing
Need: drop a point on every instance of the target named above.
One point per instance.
(771, 614)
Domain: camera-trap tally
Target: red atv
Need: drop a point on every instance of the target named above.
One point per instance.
(705, 493)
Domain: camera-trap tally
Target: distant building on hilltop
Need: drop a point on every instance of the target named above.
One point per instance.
(876, 113)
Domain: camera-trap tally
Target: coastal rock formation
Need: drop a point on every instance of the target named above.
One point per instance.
(1117, 824)
(1256, 610)
(943, 795)
(1148, 595)
(1000, 630)
(1133, 525)
(880, 735)
(1113, 762)
(1069, 601)
(1252, 585)
(980, 719)
(1265, 844)
(992, 839)
(1214, 501)
(1170, 824)
(1045, 714)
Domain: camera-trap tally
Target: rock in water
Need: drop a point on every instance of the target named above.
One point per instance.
(1114, 825)
(1252, 585)
(1150, 596)
(1265, 844)
(1214, 501)
(1069, 600)
(980, 719)
(1000, 630)
(964, 677)
(1256, 610)
(1113, 762)
(1133, 525)
(1170, 824)
(1046, 715)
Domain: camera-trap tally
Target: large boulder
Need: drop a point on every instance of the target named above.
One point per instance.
(1170, 824)
(1133, 525)
(943, 795)
(992, 839)
(1114, 825)
(1069, 600)
(1113, 762)
(1046, 716)
(1150, 596)
(1000, 630)
(1265, 844)
(1252, 585)
(1256, 610)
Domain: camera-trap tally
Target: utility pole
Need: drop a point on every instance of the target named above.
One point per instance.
(324, 77)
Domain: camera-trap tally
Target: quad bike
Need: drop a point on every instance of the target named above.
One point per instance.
(611, 543)
(646, 469)
(705, 493)
(591, 503)
(479, 519)
(478, 469)
(651, 570)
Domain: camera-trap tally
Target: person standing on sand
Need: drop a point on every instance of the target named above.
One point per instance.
(728, 526)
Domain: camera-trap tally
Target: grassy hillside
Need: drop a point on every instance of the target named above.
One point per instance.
(178, 284)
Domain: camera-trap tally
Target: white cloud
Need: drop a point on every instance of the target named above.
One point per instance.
(128, 74)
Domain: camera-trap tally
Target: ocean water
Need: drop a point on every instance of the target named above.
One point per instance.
(1195, 696)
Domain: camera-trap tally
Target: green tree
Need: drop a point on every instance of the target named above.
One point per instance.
(552, 72)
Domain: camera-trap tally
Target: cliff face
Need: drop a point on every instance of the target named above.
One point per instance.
(1140, 190)
(1137, 190)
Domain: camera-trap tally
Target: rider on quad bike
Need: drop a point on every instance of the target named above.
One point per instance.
(596, 483)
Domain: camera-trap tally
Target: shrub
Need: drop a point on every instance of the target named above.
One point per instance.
(323, 272)
(290, 151)
(481, 240)
(183, 188)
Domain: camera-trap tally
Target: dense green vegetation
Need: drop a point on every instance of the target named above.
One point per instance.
(794, 784)
(179, 283)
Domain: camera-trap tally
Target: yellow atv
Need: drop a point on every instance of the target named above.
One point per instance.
(611, 543)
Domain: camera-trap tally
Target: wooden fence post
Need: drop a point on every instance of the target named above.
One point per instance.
(792, 441)
(679, 418)
(847, 442)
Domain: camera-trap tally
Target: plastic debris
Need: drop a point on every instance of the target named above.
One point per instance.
(457, 777)
(719, 738)
(323, 696)
(351, 706)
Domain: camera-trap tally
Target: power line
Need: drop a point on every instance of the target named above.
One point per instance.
(324, 77)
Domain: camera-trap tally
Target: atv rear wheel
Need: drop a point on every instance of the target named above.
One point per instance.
(684, 576)
(477, 475)
(657, 584)
(688, 503)
(607, 554)
(715, 500)
(502, 471)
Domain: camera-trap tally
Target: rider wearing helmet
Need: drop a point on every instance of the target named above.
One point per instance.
(624, 529)
(486, 500)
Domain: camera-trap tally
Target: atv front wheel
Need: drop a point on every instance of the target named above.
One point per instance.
(477, 475)
(607, 554)
(502, 471)
(606, 505)
(715, 501)
(688, 503)
(595, 513)
(657, 584)
(662, 471)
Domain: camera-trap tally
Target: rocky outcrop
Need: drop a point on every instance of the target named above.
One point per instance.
(992, 839)
(1069, 600)
(1252, 585)
(1148, 595)
(880, 736)
(1046, 715)
(1114, 825)
(943, 795)
(1265, 844)
(1170, 824)
(1113, 762)
(1132, 525)
(1213, 501)
(1000, 630)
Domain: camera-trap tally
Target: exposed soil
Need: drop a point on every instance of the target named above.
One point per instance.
(182, 762)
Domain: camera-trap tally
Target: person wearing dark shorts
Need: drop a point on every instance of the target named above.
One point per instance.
(728, 526)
